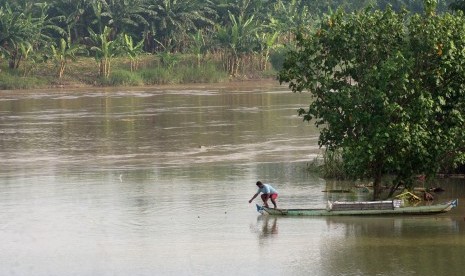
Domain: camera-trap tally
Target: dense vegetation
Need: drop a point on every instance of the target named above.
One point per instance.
(38, 38)
(388, 89)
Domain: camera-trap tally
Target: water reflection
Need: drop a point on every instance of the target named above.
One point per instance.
(266, 227)
(395, 226)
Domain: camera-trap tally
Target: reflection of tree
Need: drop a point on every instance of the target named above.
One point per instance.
(394, 246)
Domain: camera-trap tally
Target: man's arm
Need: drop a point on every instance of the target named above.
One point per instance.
(254, 196)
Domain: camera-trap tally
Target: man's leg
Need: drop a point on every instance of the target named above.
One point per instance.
(273, 198)
(265, 199)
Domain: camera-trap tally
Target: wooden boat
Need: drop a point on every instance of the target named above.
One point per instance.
(363, 208)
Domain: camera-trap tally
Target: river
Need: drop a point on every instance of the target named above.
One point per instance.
(156, 181)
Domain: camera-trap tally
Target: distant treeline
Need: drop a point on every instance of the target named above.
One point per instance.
(233, 32)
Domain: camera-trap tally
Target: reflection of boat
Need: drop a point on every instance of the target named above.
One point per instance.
(269, 226)
(363, 208)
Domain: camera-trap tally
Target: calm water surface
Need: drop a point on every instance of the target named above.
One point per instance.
(155, 181)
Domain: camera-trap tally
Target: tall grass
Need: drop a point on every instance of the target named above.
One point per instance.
(122, 78)
(183, 73)
(330, 165)
(158, 75)
(152, 72)
(11, 80)
(333, 165)
(206, 73)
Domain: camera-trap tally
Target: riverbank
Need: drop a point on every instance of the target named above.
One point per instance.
(151, 70)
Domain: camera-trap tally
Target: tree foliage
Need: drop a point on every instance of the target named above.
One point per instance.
(238, 40)
(104, 50)
(62, 53)
(388, 90)
(24, 26)
(239, 32)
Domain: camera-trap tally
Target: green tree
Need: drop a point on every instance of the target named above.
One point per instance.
(24, 29)
(175, 20)
(63, 52)
(97, 15)
(198, 47)
(71, 13)
(132, 50)
(291, 17)
(388, 91)
(236, 41)
(16, 29)
(267, 41)
(104, 50)
(125, 16)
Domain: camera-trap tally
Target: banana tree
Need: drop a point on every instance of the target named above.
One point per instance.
(236, 41)
(24, 29)
(267, 43)
(63, 52)
(126, 16)
(97, 19)
(175, 20)
(292, 17)
(198, 46)
(71, 14)
(104, 50)
(133, 51)
(16, 29)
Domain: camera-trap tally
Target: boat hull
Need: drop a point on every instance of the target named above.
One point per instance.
(417, 210)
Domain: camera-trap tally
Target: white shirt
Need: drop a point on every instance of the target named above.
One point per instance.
(267, 189)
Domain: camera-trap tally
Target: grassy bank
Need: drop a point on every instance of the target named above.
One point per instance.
(150, 71)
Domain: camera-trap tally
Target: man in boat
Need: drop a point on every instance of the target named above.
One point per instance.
(268, 192)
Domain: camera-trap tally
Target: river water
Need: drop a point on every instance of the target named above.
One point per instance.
(155, 181)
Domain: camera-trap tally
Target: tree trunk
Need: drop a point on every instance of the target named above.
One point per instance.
(11, 64)
(108, 68)
(393, 189)
(265, 61)
(62, 69)
(14, 60)
(377, 187)
(100, 71)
